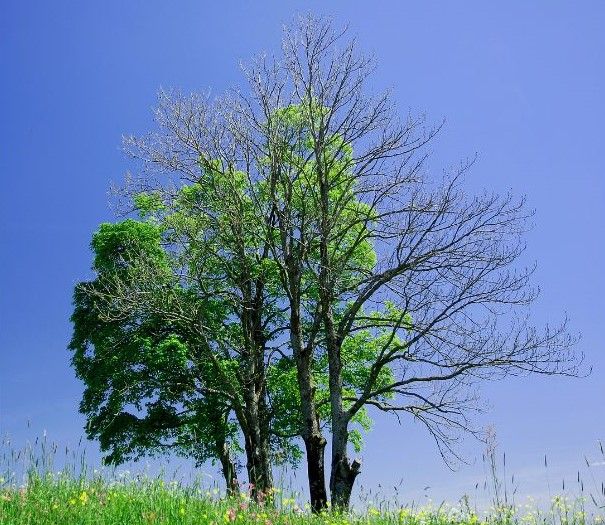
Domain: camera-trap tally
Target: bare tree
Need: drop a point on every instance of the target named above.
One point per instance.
(445, 300)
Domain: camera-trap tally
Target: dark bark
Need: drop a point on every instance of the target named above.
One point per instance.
(257, 419)
(341, 482)
(343, 472)
(257, 447)
(258, 467)
(315, 448)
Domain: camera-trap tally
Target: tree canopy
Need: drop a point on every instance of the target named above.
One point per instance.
(286, 266)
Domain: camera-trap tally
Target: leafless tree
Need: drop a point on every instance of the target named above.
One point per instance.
(446, 261)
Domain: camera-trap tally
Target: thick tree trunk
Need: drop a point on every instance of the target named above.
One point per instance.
(265, 447)
(256, 435)
(315, 447)
(343, 472)
(341, 483)
(256, 438)
(255, 428)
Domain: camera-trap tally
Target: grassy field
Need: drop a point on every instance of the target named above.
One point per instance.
(63, 500)
(34, 491)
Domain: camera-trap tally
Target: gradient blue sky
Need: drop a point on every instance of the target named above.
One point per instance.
(520, 83)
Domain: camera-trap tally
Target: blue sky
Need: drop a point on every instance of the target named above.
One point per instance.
(520, 83)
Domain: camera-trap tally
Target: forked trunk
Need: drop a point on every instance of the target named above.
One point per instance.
(343, 472)
(256, 436)
(256, 444)
(315, 443)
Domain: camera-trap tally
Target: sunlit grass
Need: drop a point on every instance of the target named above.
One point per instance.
(41, 494)
(61, 499)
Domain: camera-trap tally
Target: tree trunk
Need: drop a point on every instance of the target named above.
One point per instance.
(256, 437)
(229, 472)
(343, 472)
(254, 423)
(315, 447)
(315, 443)
(259, 469)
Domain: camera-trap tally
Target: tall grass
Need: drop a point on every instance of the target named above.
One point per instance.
(42, 485)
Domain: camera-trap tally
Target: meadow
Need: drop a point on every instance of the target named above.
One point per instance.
(43, 485)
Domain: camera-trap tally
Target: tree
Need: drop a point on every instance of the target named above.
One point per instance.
(277, 140)
(423, 276)
(445, 288)
(170, 338)
(303, 254)
(141, 395)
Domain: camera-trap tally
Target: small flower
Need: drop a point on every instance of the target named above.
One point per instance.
(83, 497)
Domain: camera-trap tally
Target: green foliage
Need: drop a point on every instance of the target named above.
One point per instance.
(148, 203)
(117, 246)
(138, 369)
(191, 252)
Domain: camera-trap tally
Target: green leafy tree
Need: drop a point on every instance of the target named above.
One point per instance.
(170, 338)
(149, 387)
(273, 183)
(302, 269)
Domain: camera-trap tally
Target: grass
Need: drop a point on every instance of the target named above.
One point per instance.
(61, 499)
(72, 495)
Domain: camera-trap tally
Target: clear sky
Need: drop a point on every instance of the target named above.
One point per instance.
(520, 83)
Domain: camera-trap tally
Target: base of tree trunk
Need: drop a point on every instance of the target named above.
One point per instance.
(315, 447)
(342, 481)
